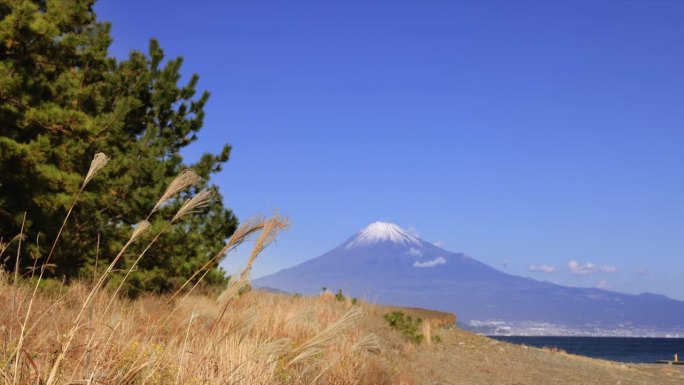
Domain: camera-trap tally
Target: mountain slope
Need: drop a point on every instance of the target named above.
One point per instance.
(386, 264)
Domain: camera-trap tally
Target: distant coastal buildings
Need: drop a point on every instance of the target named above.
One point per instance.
(533, 329)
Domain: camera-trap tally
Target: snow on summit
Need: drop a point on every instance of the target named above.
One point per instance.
(382, 232)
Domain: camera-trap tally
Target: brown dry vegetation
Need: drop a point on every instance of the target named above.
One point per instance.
(261, 339)
(266, 338)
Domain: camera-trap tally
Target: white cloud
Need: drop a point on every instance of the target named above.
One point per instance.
(438, 243)
(603, 284)
(541, 268)
(578, 269)
(642, 271)
(412, 230)
(415, 252)
(431, 263)
(589, 268)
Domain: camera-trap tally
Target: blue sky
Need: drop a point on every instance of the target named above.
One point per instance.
(526, 134)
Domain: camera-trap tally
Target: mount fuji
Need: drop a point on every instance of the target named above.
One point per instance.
(386, 264)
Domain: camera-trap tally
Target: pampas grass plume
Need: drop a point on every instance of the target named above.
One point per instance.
(139, 229)
(369, 342)
(184, 180)
(201, 200)
(268, 234)
(99, 161)
(315, 345)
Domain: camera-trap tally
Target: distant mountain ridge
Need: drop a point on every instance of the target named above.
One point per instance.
(387, 264)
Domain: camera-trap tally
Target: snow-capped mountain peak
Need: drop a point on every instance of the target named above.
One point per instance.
(391, 266)
(382, 232)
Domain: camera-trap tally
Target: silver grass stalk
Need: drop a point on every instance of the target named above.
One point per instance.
(201, 200)
(315, 345)
(369, 342)
(273, 349)
(242, 233)
(52, 378)
(3, 247)
(19, 237)
(251, 226)
(139, 229)
(248, 323)
(271, 229)
(184, 180)
(232, 290)
(98, 162)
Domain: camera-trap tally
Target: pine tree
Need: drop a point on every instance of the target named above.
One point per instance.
(63, 99)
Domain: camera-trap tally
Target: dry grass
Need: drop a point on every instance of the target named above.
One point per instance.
(554, 350)
(86, 334)
(262, 339)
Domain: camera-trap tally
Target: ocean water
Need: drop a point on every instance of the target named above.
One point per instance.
(622, 349)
